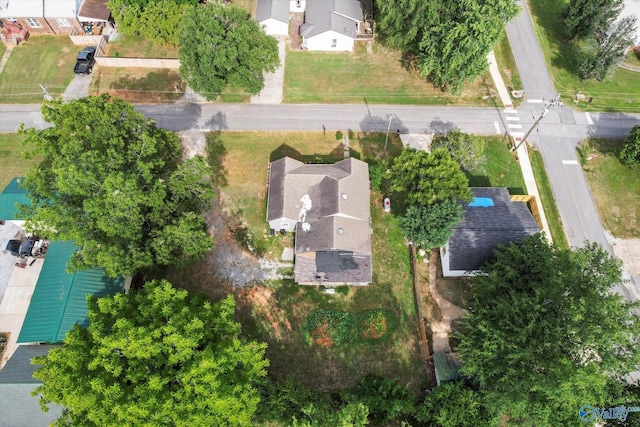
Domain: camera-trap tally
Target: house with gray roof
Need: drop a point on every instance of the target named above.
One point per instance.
(490, 219)
(327, 207)
(17, 406)
(273, 15)
(331, 25)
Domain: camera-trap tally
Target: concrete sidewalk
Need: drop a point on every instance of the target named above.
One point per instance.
(522, 153)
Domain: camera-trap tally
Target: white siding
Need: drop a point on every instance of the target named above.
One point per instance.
(274, 27)
(324, 42)
(280, 223)
(297, 6)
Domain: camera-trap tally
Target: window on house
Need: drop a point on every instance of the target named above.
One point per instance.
(62, 22)
(334, 42)
(33, 22)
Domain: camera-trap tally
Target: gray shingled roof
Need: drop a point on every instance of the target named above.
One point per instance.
(473, 240)
(336, 15)
(276, 9)
(18, 369)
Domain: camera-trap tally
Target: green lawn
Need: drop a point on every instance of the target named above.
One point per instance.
(548, 201)
(615, 187)
(621, 92)
(3, 48)
(134, 46)
(508, 68)
(11, 162)
(46, 60)
(377, 77)
(499, 170)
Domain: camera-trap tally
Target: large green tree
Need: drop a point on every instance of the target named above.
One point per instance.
(602, 55)
(448, 39)
(466, 149)
(222, 46)
(113, 182)
(545, 333)
(630, 153)
(430, 226)
(424, 178)
(157, 20)
(159, 357)
(582, 18)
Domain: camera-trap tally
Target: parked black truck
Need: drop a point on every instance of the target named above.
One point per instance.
(86, 60)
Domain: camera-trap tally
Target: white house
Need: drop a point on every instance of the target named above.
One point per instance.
(331, 25)
(273, 15)
(40, 16)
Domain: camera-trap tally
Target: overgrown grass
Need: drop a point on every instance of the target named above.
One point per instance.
(633, 57)
(138, 85)
(46, 60)
(499, 170)
(615, 187)
(620, 92)
(11, 162)
(377, 77)
(3, 49)
(134, 46)
(548, 201)
(508, 68)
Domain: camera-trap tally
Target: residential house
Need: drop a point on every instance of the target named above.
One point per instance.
(17, 406)
(273, 15)
(327, 207)
(331, 25)
(491, 219)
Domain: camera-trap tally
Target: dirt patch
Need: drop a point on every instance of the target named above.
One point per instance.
(320, 335)
(374, 331)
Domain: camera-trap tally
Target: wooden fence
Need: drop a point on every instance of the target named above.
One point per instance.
(84, 39)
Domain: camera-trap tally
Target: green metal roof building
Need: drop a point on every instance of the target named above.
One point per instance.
(447, 367)
(60, 299)
(11, 196)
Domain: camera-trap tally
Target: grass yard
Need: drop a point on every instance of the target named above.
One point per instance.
(11, 162)
(278, 311)
(620, 92)
(134, 46)
(500, 169)
(46, 60)
(615, 187)
(3, 49)
(548, 201)
(138, 85)
(633, 57)
(378, 77)
(508, 68)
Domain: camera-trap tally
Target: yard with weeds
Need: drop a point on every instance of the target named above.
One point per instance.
(138, 85)
(508, 68)
(46, 60)
(376, 325)
(620, 92)
(615, 187)
(379, 77)
(12, 164)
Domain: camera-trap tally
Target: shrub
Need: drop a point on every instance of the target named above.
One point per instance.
(339, 135)
(328, 327)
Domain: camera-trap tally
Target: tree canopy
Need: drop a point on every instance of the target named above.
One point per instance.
(222, 46)
(157, 20)
(630, 153)
(546, 333)
(430, 226)
(159, 357)
(582, 18)
(448, 39)
(466, 149)
(113, 182)
(425, 178)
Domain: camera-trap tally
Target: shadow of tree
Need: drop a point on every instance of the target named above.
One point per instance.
(216, 152)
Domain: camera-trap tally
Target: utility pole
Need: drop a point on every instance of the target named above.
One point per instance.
(386, 139)
(555, 101)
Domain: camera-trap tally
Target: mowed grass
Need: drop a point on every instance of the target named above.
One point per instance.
(46, 60)
(275, 311)
(500, 169)
(548, 200)
(138, 85)
(620, 92)
(134, 46)
(11, 162)
(615, 187)
(508, 68)
(378, 77)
